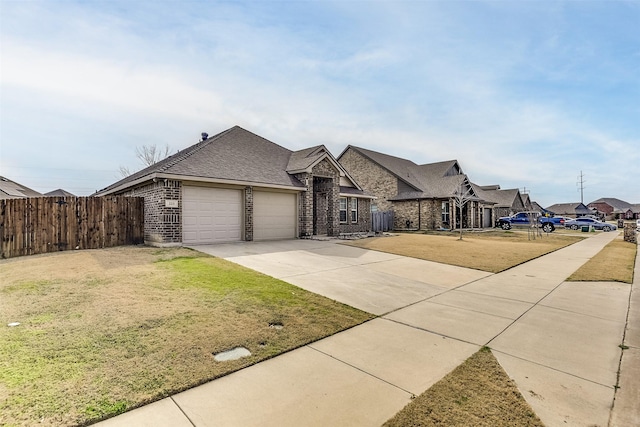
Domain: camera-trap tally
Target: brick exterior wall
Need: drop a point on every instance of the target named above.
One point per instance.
(405, 215)
(605, 208)
(425, 214)
(325, 169)
(328, 182)
(374, 179)
(305, 206)
(162, 224)
(363, 224)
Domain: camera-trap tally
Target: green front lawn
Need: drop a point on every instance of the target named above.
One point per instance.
(103, 331)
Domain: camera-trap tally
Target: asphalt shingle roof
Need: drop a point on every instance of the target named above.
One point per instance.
(235, 154)
(575, 208)
(431, 180)
(59, 193)
(501, 198)
(12, 190)
(616, 204)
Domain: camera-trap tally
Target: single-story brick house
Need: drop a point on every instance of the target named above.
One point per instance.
(422, 197)
(505, 202)
(573, 210)
(613, 208)
(237, 185)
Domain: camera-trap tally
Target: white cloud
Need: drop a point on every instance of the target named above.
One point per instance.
(487, 83)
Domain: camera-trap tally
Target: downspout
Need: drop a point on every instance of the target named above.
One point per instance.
(419, 216)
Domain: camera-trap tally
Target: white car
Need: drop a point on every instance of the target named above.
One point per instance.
(637, 224)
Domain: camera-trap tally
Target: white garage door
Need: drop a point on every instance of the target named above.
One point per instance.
(211, 215)
(274, 215)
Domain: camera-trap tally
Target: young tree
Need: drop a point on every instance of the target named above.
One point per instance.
(461, 197)
(148, 155)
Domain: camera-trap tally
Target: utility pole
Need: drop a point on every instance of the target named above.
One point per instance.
(525, 191)
(581, 184)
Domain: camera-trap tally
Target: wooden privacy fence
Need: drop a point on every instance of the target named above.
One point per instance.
(48, 224)
(382, 221)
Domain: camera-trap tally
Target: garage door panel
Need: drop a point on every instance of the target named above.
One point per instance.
(211, 215)
(274, 215)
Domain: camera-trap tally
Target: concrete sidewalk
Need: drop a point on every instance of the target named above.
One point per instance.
(558, 340)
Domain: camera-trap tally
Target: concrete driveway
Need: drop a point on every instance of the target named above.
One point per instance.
(558, 340)
(372, 281)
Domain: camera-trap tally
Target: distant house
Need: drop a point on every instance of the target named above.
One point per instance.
(59, 193)
(12, 190)
(613, 208)
(422, 197)
(573, 210)
(535, 207)
(237, 185)
(505, 202)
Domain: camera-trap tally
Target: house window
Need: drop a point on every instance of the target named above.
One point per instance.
(343, 209)
(445, 213)
(354, 210)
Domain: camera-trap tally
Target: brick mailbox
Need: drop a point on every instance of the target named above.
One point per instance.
(630, 232)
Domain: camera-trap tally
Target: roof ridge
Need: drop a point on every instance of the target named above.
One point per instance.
(165, 164)
(383, 154)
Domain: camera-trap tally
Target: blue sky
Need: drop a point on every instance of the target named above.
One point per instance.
(525, 94)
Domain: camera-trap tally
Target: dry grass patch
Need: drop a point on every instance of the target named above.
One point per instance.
(490, 251)
(614, 263)
(103, 331)
(477, 393)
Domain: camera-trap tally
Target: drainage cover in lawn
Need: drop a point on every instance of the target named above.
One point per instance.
(233, 354)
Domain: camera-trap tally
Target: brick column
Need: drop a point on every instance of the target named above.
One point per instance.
(248, 214)
(630, 233)
(333, 226)
(305, 205)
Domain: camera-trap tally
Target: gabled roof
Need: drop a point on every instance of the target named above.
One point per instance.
(305, 160)
(431, 180)
(576, 208)
(59, 193)
(12, 190)
(401, 168)
(535, 206)
(234, 155)
(616, 204)
(503, 198)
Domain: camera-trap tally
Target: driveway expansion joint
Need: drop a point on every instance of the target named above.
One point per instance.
(525, 312)
(553, 369)
(361, 370)
(181, 410)
(433, 332)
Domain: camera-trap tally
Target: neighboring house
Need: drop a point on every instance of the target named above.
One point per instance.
(12, 190)
(237, 185)
(505, 202)
(421, 196)
(59, 193)
(535, 207)
(612, 207)
(636, 211)
(573, 210)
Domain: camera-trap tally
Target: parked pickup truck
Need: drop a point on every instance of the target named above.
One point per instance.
(523, 219)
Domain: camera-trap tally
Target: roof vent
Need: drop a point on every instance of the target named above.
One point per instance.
(204, 135)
